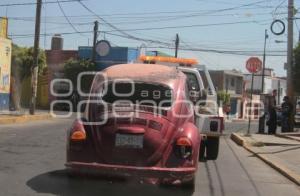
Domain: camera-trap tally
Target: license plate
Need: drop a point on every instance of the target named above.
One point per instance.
(130, 141)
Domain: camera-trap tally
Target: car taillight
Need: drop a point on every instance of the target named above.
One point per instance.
(78, 136)
(184, 148)
(78, 133)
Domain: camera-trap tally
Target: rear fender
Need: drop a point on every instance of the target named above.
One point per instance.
(190, 131)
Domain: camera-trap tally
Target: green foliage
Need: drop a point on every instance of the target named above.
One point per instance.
(72, 68)
(22, 61)
(223, 97)
(296, 69)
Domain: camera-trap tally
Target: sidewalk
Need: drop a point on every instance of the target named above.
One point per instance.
(279, 151)
(8, 117)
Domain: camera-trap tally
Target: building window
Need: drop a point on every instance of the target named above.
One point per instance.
(232, 82)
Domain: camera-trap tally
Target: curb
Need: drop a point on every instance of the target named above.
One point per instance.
(287, 137)
(24, 118)
(278, 167)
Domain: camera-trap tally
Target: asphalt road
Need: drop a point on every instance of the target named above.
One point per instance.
(32, 160)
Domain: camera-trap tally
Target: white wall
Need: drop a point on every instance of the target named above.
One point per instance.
(257, 83)
(270, 84)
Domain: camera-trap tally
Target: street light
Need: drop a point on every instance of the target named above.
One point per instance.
(280, 41)
(261, 125)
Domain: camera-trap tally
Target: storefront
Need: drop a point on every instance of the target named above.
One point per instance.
(5, 66)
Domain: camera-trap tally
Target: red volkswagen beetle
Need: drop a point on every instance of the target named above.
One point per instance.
(138, 122)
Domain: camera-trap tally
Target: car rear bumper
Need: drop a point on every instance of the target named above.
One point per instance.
(127, 171)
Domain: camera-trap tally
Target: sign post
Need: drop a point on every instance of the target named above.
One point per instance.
(253, 65)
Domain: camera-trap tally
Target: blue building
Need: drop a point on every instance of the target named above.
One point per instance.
(116, 55)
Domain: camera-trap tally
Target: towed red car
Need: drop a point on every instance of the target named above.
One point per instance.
(137, 122)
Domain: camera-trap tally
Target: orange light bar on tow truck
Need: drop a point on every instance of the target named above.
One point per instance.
(181, 61)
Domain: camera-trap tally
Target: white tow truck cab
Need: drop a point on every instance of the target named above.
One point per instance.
(204, 97)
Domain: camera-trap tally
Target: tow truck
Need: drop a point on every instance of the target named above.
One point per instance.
(204, 97)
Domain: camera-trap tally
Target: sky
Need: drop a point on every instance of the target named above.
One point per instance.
(207, 28)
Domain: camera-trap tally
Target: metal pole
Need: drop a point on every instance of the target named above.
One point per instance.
(290, 86)
(96, 26)
(278, 92)
(249, 117)
(264, 63)
(35, 68)
(261, 126)
(176, 45)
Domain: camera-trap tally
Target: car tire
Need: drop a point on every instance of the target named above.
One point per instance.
(202, 151)
(73, 174)
(189, 184)
(212, 148)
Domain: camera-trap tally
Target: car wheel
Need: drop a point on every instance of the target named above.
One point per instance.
(212, 148)
(189, 184)
(202, 151)
(73, 174)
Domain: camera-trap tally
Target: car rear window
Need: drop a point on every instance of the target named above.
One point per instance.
(139, 93)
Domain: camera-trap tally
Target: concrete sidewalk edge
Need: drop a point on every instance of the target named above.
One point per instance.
(278, 167)
(24, 118)
(287, 137)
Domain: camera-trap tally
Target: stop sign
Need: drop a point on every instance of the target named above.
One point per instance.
(253, 64)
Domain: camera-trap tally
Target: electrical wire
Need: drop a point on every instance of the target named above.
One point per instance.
(190, 26)
(67, 19)
(119, 30)
(34, 3)
(171, 47)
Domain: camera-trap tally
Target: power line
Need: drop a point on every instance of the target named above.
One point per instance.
(34, 3)
(67, 19)
(189, 11)
(142, 15)
(119, 30)
(276, 8)
(170, 47)
(229, 52)
(190, 26)
(166, 27)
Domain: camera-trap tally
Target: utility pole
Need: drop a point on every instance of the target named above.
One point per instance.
(176, 45)
(35, 67)
(96, 27)
(290, 89)
(261, 124)
(289, 67)
(250, 115)
(264, 63)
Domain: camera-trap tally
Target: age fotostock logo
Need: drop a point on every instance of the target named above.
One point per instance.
(125, 98)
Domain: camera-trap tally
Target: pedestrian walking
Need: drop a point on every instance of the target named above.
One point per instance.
(272, 120)
(286, 114)
(272, 114)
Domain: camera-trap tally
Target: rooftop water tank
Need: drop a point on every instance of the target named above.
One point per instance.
(57, 42)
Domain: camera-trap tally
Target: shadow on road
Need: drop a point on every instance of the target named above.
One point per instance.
(59, 183)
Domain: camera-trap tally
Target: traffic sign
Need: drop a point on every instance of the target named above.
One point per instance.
(253, 65)
(103, 47)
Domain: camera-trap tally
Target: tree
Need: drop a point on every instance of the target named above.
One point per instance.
(72, 68)
(21, 63)
(22, 60)
(223, 98)
(224, 101)
(296, 70)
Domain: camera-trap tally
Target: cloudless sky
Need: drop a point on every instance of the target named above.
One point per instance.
(235, 25)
